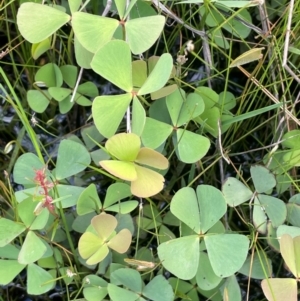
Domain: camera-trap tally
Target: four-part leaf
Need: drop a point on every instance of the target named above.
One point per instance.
(94, 246)
(131, 157)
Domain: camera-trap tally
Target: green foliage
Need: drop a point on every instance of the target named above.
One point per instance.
(119, 192)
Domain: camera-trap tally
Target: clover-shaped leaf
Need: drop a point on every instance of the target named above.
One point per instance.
(113, 62)
(37, 22)
(168, 115)
(126, 148)
(95, 247)
(141, 33)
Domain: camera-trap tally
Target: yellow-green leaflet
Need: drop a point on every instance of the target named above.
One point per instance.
(247, 57)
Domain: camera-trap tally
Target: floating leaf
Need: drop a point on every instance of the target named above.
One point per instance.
(72, 158)
(9, 230)
(108, 112)
(149, 157)
(138, 117)
(280, 288)
(119, 294)
(180, 256)
(206, 277)
(88, 201)
(262, 178)
(274, 208)
(141, 33)
(185, 207)
(190, 147)
(32, 249)
(120, 169)
(155, 133)
(147, 183)
(39, 281)
(159, 75)
(95, 247)
(212, 206)
(129, 278)
(235, 192)
(290, 251)
(113, 62)
(9, 270)
(116, 145)
(259, 217)
(258, 266)
(144, 182)
(159, 289)
(86, 27)
(221, 249)
(37, 22)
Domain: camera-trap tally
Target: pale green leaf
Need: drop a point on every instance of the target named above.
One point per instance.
(32, 249)
(9, 230)
(147, 183)
(150, 157)
(206, 277)
(123, 170)
(190, 147)
(282, 289)
(104, 224)
(223, 255)
(124, 146)
(129, 278)
(262, 178)
(259, 217)
(72, 158)
(9, 270)
(289, 248)
(89, 244)
(113, 62)
(159, 289)
(155, 133)
(142, 33)
(247, 57)
(138, 117)
(115, 193)
(39, 281)
(120, 294)
(88, 201)
(108, 112)
(235, 192)
(274, 208)
(212, 206)
(180, 256)
(37, 100)
(121, 242)
(159, 75)
(185, 207)
(93, 31)
(37, 22)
